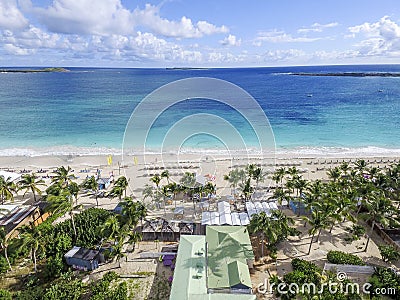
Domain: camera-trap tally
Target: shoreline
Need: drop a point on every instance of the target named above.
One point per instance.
(280, 152)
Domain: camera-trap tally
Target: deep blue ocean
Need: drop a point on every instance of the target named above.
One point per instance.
(87, 109)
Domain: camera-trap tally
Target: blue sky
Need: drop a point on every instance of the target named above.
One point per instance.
(119, 33)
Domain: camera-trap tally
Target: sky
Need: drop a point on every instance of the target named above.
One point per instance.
(194, 33)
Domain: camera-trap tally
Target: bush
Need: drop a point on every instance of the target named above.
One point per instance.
(339, 257)
(384, 278)
(5, 295)
(54, 267)
(389, 253)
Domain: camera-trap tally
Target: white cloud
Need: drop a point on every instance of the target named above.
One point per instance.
(150, 18)
(381, 38)
(231, 40)
(86, 17)
(283, 55)
(275, 36)
(316, 27)
(15, 50)
(10, 16)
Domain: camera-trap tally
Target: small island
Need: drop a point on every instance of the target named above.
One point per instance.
(45, 70)
(351, 74)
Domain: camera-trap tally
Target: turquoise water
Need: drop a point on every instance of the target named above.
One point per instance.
(86, 110)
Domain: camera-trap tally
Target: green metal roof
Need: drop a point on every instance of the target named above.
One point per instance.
(228, 249)
(226, 245)
(189, 277)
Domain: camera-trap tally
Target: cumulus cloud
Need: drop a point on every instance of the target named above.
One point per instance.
(276, 36)
(10, 15)
(316, 27)
(231, 40)
(283, 55)
(380, 38)
(86, 17)
(185, 28)
(15, 50)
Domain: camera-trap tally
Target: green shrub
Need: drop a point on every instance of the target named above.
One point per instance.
(54, 267)
(339, 257)
(389, 253)
(384, 278)
(5, 295)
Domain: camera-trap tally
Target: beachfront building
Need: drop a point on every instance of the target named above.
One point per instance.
(166, 231)
(14, 216)
(83, 259)
(214, 266)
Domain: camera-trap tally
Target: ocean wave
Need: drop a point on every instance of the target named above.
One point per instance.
(296, 152)
(59, 151)
(368, 151)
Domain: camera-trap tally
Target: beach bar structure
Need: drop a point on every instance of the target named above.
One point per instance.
(167, 231)
(83, 259)
(14, 216)
(215, 266)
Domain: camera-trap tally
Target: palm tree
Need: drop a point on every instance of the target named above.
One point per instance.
(247, 189)
(7, 189)
(117, 191)
(334, 173)
(260, 224)
(4, 244)
(166, 193)
(90, 183)
(118, 249)
(318, 221)
(31, 237)
(258, 176)
(63, 176)
(30, 182)
(174, 189)
(74, 189)
(361, 165)
(165, 174)
(280, 195)
(300, 184)
(379, 210)
(156, 180)
(122, 183)
(278, 176)
(209, 188)
(134, 237)
(233, 177)
(147, 192)
(111, 228)
(133, 211)
(188, 180)
(293, 172)
(62, 204)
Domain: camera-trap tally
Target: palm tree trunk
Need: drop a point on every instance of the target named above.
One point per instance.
(319, 233)
(369, 236)
(6, 256)
(330, 230)
(97, 200)
(262, 244)
(73, 224)
(309, 248)
(34, 195)
(34, 260)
